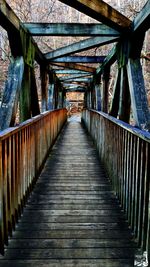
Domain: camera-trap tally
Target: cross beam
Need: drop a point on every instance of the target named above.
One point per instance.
(74, 66)
(80, 59)
(74, 76)
(102, 12)
(71, 72)
(142, 20)
(70, 29)
(80, 46)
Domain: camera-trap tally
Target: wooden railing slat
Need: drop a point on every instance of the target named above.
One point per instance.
(125, 152)
(23, 151)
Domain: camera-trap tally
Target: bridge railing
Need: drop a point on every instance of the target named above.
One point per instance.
(125, 152)
(23, 151)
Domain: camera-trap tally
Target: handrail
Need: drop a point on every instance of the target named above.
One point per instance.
(125, 153)
(23, 150)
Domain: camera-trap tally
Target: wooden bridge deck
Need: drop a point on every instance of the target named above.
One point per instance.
(72, 218)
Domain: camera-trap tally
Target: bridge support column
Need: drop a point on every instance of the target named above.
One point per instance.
(124, 103)
(12, 90)
(138, 94)
(25, 95)
(63, 99)
(97, 97)
(44, 88)
(105, 86)
(50, 96)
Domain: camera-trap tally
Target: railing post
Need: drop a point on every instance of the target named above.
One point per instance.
(1, 204)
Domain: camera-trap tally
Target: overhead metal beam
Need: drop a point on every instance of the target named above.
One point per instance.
(71, 72)
(79, 80)
(67, 85)
(102, 12)
(109, 60)
(74, 66)
(80, 59)
(80, 46)
(73, 76)
(142, 20)
(70, 29)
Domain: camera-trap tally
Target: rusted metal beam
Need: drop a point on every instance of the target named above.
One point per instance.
(74, 66)
(102, 12)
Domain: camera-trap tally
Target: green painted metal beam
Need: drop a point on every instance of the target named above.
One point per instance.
(71, 72)
(73, 76)
(80, 80)
(81, 59)
(8, 109)
(80, 46)
(70, 29)
(142, 20)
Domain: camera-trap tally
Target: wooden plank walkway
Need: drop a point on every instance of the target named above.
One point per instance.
(72, 217)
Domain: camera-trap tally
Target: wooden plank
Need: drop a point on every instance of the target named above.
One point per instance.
(138, 94)
(141, 22)
(72, 210)
(12, 89)
(80, 46)
(67, 243)
(70, 29)
(74, 66)
(69, 263)
(80, 59)
(102, 12)
(71, 253)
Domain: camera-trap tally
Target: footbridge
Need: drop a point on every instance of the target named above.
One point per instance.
(75, 192)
